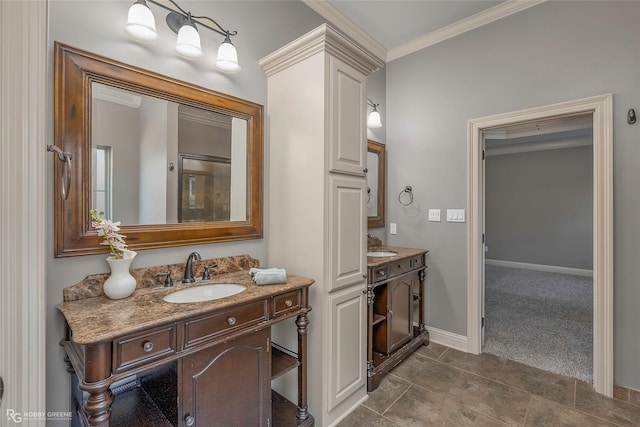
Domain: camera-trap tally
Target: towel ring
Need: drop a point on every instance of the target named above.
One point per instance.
(408, 198)
(65, 158)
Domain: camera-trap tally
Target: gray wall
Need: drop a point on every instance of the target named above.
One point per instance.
(553, 52)
(97, 26)
(539, 207)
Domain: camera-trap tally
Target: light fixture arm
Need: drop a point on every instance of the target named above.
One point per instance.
(372, 104)
(197, 19)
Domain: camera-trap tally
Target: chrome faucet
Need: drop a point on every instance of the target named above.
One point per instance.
(188, 269)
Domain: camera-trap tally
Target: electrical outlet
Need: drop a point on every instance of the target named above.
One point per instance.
(392, 228)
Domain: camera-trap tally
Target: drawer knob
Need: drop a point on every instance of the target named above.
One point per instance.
(189, 420)
(147, 346)
(231, 321)
(288, 303)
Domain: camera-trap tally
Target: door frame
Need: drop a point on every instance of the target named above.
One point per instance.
(601, 108)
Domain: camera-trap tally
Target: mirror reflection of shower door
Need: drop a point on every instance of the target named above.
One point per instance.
(204, 188)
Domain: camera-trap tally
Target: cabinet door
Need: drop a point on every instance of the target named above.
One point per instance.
(348, 225)
(347, 344)
(228, 384)
(347, 118)
(400, 316)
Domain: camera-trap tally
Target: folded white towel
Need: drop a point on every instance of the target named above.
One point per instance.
(268, 276)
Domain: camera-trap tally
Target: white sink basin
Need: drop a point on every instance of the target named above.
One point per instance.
(380, 254)
(204, 293)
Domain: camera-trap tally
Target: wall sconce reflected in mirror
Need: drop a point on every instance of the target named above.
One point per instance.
(141, 26)
(373, 121)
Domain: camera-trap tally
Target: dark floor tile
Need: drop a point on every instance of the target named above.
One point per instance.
(484, 421)
(620, 393)
(391, 387)
(551, 386)
(427, 373)
(420, 407)
(543, 412)
(432, 350)
(634, 397)
(487, 397)
(364, 417)
(485, 365)
(616, 411)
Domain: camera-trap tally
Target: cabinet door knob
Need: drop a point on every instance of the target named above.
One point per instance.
(288, 303)
(231, 321)
(365, 170)
(189, 420)
(147, 346)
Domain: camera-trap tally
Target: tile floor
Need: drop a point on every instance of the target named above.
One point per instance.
(440, 386)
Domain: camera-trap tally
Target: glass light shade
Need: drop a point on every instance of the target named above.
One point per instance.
(188, 43)
(227, 60)
(141, 25)
(373, 121)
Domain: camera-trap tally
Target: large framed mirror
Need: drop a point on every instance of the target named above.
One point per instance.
(376, 178)
(175, 163)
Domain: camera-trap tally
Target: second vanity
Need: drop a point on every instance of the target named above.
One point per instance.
(395, 295)
(205, 363)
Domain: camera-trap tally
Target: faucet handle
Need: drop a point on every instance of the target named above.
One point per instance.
(205, 274)
(168, 281)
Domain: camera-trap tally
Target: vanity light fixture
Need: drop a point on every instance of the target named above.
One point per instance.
(141, 27)
(373, 121)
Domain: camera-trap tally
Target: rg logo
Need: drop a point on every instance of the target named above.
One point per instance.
(14, 416)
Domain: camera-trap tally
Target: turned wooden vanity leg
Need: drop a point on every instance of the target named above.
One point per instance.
(302, 322)
(96, 372)
(421, 277)
(370, 297)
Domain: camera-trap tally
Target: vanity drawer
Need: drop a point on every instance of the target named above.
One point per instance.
(285, 303)
(417, 261)
(379, 274)
(398, 267)
(209, 327)
(134, 350)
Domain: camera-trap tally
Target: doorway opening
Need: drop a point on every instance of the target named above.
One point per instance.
(538, 228)
(600, 110)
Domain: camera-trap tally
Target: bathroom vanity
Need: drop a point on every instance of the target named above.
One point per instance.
(209, 363)
(395, 295)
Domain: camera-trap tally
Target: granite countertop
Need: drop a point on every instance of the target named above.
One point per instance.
(400, 253)
(98, 319)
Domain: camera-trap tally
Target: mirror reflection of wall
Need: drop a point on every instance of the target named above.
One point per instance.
(372, 184)
(136, 138)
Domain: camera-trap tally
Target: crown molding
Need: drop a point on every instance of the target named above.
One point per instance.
(117, 96)
(539, 146)
(324, 38)
(348, 27)
(485, 17)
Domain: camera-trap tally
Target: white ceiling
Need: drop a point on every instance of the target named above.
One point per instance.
(393, 23)
(394, 28)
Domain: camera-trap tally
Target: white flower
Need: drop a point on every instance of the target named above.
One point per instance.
(108, 230)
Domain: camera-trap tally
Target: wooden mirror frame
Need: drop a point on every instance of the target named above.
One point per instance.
(75, 70)
(379, 149)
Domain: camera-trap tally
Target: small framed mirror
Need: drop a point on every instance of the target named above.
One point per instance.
(376, 179)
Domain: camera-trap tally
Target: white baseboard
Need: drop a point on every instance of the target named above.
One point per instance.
(540, 267)
(449, 339)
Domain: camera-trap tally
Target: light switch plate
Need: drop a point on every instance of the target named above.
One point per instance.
(392, 228)
(455, 215)
(434, 215)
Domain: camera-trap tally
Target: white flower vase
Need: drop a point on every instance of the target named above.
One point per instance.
(121, 283)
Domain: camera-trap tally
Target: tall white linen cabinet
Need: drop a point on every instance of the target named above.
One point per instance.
(317, 222)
